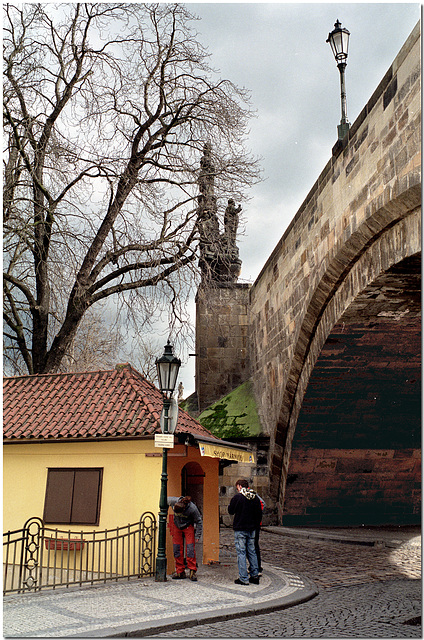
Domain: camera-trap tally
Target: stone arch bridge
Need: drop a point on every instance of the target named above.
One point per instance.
(329, 334)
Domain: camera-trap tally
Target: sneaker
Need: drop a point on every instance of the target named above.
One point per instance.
(238, 581)
(193, 576)
(254, 580)
(179, 576)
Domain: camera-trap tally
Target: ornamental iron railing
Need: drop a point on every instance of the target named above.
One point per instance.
(40, 557)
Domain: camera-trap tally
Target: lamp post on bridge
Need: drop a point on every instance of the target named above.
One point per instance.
(167, 369)
(339, 43)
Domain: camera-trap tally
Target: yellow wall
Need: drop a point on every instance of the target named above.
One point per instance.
(131, 483)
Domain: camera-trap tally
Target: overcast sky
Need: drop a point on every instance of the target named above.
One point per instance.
(278, 51)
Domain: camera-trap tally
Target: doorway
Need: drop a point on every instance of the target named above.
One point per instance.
(192, 479)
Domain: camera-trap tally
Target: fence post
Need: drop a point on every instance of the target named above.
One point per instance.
(32, 539)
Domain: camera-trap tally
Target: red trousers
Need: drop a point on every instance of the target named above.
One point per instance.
(178, 536)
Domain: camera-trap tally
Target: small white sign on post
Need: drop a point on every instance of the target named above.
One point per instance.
(164, 440)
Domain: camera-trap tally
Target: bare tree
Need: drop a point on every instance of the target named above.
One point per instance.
(107, 108)
(145, 351)
(97, 345)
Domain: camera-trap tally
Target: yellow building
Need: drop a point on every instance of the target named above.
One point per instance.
(79, 454)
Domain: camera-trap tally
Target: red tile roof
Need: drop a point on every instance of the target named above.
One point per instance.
(80, 406)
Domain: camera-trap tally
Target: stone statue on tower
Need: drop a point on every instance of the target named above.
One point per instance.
(219, 255)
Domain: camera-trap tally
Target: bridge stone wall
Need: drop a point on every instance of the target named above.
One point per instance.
(360, 219)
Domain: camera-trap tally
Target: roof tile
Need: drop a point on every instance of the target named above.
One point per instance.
(94, 404)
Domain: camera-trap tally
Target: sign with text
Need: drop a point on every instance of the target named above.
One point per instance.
(164, 440)
(226, 453)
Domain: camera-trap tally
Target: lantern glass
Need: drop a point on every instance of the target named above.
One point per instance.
(168, 367)
(339, 42)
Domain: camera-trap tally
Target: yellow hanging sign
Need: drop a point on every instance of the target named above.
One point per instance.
(226, 453)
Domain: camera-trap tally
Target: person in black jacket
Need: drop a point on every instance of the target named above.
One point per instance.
(247, 511)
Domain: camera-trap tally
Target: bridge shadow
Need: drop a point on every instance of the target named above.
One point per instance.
(356, 450)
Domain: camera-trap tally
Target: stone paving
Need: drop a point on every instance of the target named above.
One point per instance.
(366, 590)
(330, 564)
(358, 611)
(141, 607)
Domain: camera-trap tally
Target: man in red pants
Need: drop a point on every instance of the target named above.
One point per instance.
(186, 516)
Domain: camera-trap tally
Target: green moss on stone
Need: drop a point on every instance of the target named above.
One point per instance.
(234, 416)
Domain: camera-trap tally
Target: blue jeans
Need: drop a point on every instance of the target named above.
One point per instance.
(245, 547)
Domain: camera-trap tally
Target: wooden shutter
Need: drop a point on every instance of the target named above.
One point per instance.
(73, 496)
(86, 501)
(59, 491)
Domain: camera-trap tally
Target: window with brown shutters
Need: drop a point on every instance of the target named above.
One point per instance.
(73, 496)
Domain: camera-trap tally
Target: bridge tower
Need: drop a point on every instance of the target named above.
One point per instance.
(221, 302)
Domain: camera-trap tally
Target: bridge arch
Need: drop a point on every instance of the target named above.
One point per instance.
(388, 237)
(358, 224)
(360, 219)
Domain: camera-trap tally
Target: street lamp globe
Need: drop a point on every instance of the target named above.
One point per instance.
(339, 43)
(167, 369)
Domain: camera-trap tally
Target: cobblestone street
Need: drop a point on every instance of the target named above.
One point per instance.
(330, 564)
(365, 591)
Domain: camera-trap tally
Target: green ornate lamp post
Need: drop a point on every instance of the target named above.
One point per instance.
(167, 369)
(339, 43)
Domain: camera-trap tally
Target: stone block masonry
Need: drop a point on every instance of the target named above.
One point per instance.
(222, 360)
(353, 487)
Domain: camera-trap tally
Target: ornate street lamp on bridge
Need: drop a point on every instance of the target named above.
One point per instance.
(339, 43)
(167, 369)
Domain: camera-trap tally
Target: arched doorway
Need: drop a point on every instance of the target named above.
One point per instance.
(192, 479)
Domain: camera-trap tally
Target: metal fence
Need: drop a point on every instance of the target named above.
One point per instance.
(39, 557)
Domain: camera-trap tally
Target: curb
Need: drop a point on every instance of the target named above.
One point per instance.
(330, 537)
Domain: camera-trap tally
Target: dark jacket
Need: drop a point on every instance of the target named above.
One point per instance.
(191, 515)
(247, 510)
